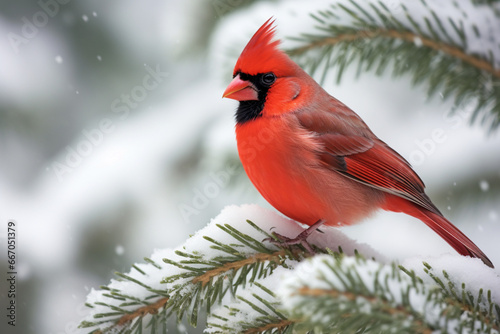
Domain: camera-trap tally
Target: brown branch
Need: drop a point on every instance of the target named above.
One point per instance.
(308, 292)
(470, 309)
(142, 311)
(305, 291)
(257, 258)
(407, 36)
(280, 326)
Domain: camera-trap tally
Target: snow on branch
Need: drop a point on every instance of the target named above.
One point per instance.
(451, 47)
(250, 286)
(324, 291)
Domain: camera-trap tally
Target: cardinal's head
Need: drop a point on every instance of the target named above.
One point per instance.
(265, 79)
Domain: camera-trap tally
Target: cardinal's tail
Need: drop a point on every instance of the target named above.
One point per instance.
(449, 232)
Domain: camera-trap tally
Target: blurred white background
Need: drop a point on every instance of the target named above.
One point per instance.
(114, 141)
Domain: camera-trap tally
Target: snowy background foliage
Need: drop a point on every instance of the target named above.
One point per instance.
(163, 159)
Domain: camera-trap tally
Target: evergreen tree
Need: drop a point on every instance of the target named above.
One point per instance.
(248, 285)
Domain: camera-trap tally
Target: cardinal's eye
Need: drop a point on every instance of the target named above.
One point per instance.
(268, 79)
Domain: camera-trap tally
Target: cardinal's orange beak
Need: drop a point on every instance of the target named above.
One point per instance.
(241, 90)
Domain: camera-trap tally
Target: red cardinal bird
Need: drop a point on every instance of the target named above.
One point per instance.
(312, 157)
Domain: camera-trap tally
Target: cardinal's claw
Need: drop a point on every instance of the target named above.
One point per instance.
(301, 239)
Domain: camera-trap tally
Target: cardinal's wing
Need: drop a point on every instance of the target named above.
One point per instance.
(351, 149)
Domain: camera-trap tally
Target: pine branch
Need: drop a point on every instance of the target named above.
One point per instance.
(485, 311)
(209, 275)
(198, 281)
(348, 294)
(351, 295)
(435, 52)
(411, 37)
(256, 312)
(130, 311)
(212, 279)
(142, 311)
(249, 286)
(279, 327)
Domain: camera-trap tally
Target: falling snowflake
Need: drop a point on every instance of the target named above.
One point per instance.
(493, 215)
(484, 185)
(119, 250)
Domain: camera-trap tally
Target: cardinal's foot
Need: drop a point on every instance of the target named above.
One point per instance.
(301, 239)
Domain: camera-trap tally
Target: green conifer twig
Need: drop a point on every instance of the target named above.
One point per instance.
(429, 52)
